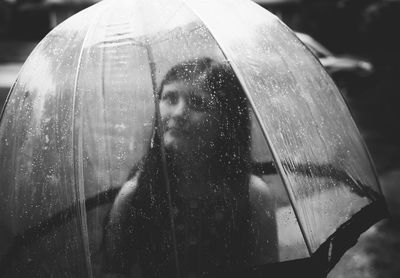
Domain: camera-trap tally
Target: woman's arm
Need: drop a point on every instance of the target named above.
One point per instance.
(263, 229)
(119, 232)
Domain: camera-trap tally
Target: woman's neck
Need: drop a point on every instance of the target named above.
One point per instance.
(195, 177)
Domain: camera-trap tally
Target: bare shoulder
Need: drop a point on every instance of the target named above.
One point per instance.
(263, 233)
(124, 197)
(259, 190)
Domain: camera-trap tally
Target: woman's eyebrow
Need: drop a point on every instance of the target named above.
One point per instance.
(168, 92)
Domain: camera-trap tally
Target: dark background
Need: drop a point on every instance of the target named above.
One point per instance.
(364, 28)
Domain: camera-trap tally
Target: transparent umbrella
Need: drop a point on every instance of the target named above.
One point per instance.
(187, 139)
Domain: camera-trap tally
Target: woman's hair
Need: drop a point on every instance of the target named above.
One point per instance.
(232, 146)
(151, 199)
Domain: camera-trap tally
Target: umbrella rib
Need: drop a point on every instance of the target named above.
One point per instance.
(104, 114)
(278, 163)
(77, 163)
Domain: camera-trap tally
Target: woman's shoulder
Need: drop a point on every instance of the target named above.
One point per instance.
(258, 187)
(125, 195)
(263, 232)
(118, 256)
(261, 195)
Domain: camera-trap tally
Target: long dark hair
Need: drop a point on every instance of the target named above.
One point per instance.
(146, 216)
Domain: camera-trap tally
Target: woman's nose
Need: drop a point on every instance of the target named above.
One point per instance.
(180, 109)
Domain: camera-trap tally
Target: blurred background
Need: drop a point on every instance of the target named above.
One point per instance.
(357, 43)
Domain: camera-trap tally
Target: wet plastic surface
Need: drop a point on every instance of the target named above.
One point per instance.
(84, 111)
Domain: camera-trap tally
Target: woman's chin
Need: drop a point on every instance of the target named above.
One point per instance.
(183, 147)
(175, 145)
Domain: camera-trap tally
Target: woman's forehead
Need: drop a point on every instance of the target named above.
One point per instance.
(191, 87)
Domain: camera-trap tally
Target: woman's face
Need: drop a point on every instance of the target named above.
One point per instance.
(190, 118)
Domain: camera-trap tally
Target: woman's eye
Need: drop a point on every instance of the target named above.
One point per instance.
(170, 98)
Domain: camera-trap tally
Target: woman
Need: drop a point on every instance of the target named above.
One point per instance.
(191, 208)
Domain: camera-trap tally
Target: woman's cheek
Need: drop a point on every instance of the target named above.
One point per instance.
(164, 113)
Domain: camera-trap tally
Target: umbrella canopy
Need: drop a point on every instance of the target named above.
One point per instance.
(89, 105)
